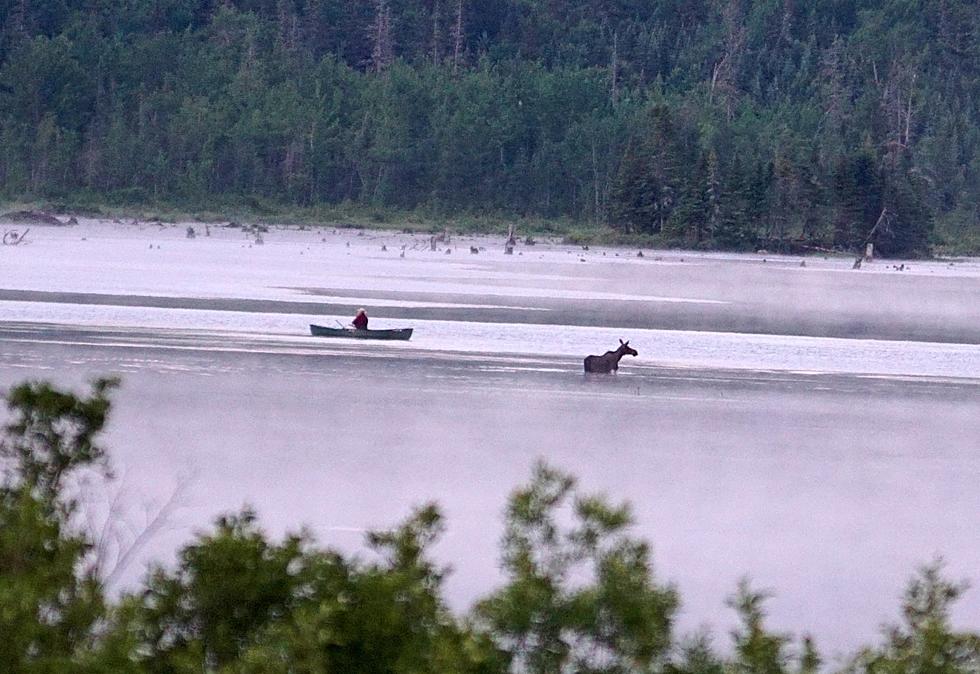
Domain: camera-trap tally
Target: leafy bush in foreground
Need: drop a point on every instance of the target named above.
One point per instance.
(579, 593)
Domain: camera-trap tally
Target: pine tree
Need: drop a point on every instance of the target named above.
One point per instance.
(732, 229)
(646, 189)
(910, 223)
(690, 220)
(858, 200)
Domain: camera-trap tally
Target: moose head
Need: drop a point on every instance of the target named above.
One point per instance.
(624, 348)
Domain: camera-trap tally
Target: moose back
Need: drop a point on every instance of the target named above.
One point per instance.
(609, 361)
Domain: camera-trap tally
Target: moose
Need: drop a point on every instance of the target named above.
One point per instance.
(609, 361)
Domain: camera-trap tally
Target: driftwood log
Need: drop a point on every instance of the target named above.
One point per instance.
(12, 237)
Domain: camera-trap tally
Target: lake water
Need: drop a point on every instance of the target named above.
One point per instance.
(814, 427)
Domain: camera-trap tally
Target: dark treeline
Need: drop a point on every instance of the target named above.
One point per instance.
(705, 122)
(579, 593)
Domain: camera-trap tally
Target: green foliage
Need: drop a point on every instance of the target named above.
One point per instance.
(579, 593)
(52, 434)
(238, 602)
(733, 225)
(48, 610)
(757, 651)
(228, 584)
(579, 598)
(696, 656)
(857, 192)
(646, 190)
(601, 113)
(925, 641)
(50, 604)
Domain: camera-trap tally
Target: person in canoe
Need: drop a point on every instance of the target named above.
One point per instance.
(361, 320)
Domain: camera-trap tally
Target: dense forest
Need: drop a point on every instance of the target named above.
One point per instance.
(709, 123)
(579, 592)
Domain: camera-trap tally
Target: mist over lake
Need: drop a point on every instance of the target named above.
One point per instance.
(814, 427)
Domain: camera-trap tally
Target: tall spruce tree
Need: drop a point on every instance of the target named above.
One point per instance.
(857, 196)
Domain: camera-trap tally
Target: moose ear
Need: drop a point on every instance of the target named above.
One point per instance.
(620, 341)
(626, 343)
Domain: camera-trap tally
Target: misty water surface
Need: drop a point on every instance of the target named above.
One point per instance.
(825, 468)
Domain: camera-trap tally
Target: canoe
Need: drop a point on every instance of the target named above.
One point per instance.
(398, 333)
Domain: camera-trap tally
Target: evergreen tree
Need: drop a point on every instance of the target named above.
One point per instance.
(646, 190)
(924, 641)
(507, 107)
(857, 200)
(619, 619)
(690, 220)
(732, 228)
(909, 222)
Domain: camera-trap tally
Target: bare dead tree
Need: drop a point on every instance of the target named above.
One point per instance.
(614, 70)
(377, 35)
(288, 25)
(897, 106)
(118, 538)
(724, 71)
(18, 19)
(786, 25)
(382, 51)
(595, 180)
(956, 30)
(883, 219)
(293, 159)
(436, 33)
(832, 77)
(458, 37)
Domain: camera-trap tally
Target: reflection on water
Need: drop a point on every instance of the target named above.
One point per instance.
(284, 333)
(826, 469)
(828, 488)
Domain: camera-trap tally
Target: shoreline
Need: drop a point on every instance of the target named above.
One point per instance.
(352, 218)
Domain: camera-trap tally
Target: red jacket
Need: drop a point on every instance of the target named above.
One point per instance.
(360, 322)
